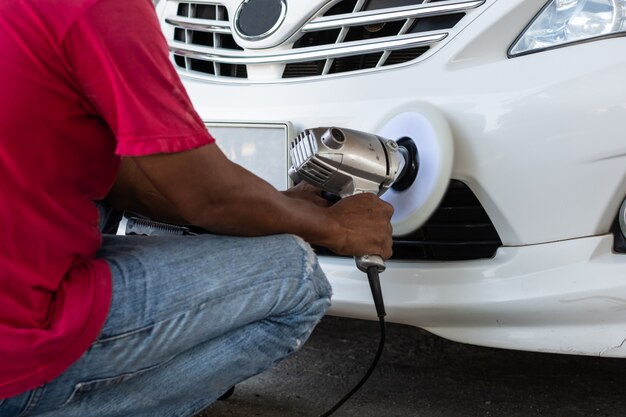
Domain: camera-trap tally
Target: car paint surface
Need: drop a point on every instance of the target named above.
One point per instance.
(539, 139)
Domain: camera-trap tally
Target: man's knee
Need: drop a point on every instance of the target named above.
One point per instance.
(298, 254)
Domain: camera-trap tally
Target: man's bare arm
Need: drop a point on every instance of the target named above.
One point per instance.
(134, 192)
(202, 187)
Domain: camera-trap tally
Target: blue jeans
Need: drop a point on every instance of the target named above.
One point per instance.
(191, 316)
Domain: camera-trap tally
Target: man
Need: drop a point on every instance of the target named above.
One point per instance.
(140, 326)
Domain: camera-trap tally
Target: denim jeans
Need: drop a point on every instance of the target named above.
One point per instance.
(191, 316)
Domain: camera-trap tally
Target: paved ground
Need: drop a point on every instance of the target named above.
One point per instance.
(426, 376)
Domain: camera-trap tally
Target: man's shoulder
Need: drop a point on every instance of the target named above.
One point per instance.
(57, 15)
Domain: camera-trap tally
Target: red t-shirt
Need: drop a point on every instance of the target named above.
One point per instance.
(82, 82)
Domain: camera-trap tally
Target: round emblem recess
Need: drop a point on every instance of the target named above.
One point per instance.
(257, 19)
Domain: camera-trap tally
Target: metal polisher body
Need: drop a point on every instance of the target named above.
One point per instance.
(345, 162)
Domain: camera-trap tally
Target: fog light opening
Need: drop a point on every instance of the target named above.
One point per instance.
(621, 217)
(619, 230)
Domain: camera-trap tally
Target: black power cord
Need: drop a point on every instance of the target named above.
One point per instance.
(372, 276)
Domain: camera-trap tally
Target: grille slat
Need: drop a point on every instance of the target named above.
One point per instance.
(202, 25)
(348, 36)
(394, 14)
(346, 49)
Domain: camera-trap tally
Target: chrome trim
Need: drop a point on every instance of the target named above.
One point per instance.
(222, 56)
(217, 79)
(396, 13)
(279, 21)
(204, 25)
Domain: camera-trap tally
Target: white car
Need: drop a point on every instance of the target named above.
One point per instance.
(515, 236)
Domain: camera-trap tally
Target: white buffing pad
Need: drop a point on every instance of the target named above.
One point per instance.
(427, 127)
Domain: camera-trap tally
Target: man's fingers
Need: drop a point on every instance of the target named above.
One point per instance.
(365, 224)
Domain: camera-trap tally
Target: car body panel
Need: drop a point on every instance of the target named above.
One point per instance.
(537, 138)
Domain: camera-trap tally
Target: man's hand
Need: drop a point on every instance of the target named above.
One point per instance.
(363, 226)
(362, 221)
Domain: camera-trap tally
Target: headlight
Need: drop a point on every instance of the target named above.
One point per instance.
(563, 22)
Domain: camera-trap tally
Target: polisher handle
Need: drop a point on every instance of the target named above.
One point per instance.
(364, 262)
(372, 265)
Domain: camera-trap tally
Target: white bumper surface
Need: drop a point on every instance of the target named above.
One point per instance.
(564, 297)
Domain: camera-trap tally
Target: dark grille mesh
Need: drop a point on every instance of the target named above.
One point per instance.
(459, 229)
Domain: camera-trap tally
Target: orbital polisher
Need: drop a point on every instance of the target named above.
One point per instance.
(345, 162)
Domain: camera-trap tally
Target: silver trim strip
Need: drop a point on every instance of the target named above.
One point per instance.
(396, 13)
(224, 56)
(204, 25)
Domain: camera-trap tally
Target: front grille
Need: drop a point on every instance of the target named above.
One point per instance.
(344, 36)
(204, 25)
(459, 229)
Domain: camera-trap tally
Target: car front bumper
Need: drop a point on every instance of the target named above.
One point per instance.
(562, 297)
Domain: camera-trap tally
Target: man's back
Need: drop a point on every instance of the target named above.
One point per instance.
(57, 156)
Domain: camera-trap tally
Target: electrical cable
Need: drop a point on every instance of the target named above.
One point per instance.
(372, 274)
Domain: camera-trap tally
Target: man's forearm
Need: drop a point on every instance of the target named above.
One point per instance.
(247, 207)
(206, 189)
